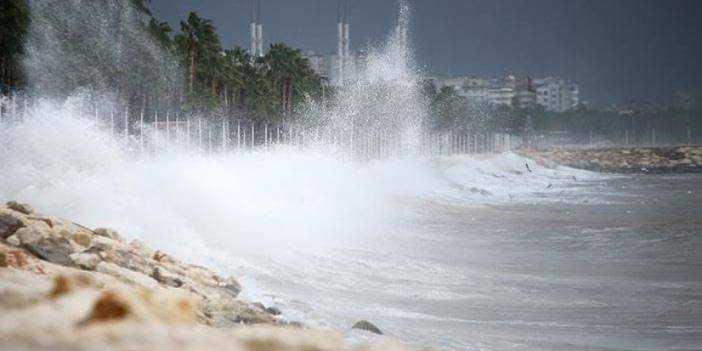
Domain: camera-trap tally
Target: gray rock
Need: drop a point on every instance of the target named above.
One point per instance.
(86, 260)
(273, 310)
(9, 224)
(28, 235)
(107, 233)
(367, 326)
(252, 316)
(232, 287)
(14, 241)
(55, 250)
(20, 207)
(166, 278)
(126, 275)
(259, 305)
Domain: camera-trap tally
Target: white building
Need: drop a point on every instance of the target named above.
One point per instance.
(318, 63)
(256, 30)
(557, 95)
(477, 90)
(342, 65)
(525, 94)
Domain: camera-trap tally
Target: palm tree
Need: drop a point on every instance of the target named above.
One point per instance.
(187, 42)
(202, 52)
(14, 19)
(289, 74)
(232, 78)
(161, 32)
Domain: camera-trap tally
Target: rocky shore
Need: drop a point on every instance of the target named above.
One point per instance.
(682, 159)
(67, 287)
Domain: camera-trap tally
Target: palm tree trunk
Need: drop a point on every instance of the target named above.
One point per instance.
(288, 96)
(11, 76)
(120, 43)
(283, 95)
(3, 74)
(191, 72)
(225, 95)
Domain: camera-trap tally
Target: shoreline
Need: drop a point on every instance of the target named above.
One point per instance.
(634, 160)
(64, 286)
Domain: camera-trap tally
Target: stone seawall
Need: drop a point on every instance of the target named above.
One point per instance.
(67, 287)
(682, 159)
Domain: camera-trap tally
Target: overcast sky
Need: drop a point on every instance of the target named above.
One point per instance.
(617, 50)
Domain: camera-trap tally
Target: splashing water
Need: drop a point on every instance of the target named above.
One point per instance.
(382, 100)
(239, 203)
(265, 213)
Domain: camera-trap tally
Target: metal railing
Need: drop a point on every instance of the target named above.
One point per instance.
(142, 131)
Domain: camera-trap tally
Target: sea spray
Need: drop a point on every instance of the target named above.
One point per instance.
(73, 161)
(381, 100)
(101, 50)
(230, 209)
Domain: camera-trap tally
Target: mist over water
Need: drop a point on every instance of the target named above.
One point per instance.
(198, 204)
(456, 252)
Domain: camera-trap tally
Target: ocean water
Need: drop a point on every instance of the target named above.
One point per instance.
(456, 253)
(594, 263)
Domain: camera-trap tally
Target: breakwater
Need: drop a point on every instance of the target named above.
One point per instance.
(681, 159)
(64, 286)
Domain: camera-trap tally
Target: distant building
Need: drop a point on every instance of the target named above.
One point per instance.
(552, 93)
(501, 92)
(342, 65)
(477, 90)
(688, 101)
(556, 94)
(525, 96)
(318, 63)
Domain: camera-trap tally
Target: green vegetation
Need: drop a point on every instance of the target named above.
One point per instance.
(450, 110)
(14, 19)
(188, 69)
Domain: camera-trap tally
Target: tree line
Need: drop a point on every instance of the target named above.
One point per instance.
(450, 110)
(121, 47)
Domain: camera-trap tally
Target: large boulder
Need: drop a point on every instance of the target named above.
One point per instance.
(108, 233)
(167, 278)
(54, 250)
(86, 260)
(129, 277)
(20, 207)
(273, 310)
(367, 326)
(143, 306)
(9, 224)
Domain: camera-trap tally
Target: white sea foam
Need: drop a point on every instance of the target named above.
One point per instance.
(240, 201)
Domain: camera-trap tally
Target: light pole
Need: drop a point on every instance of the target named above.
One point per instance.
(689, 119)
(324, 81)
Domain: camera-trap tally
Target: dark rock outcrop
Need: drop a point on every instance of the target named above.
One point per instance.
(683, 159)
(9, 225)
(54, 250)
(273, 310)
(367, 326)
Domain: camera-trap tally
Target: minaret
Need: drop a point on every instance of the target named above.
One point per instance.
(347, 52)
(340, 42)
(343, 49)
(254, 31)
(259, 31)
(402, 28)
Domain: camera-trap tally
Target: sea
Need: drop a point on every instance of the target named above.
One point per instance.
(463, 252)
